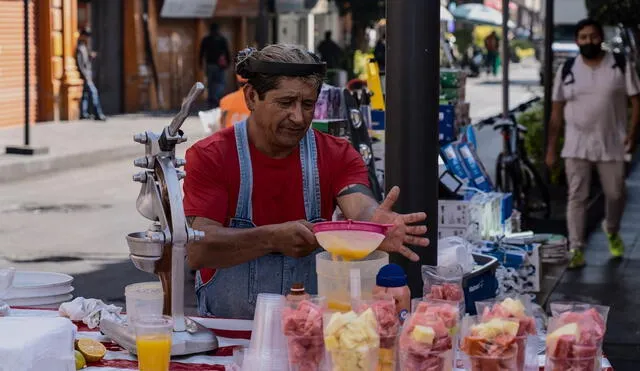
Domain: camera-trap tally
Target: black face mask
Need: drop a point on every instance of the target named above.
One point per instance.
(590, 51)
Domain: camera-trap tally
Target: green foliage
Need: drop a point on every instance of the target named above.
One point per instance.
(614, 12)
(522, 44)
(533, 120)
(464, 38)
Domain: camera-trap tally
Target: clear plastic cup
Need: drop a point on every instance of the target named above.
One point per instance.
(359, 359)
(387, 354)
(585, 363)
(388, 326)
(506, 361)
(267, 336)
(153, 342)
(433, 361)
(303, 326)
(143, 299)
(306, 353)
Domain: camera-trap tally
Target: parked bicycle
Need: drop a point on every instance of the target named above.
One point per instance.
(515, 173)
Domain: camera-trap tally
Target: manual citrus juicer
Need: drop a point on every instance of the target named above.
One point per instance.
(161, 249)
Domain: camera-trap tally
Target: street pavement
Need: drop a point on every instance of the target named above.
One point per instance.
(70, 211)
(485, 95)
(75, 221)
(614, 283)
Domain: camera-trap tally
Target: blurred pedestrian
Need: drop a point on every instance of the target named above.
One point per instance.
(591, 94)
(380, 52)
(330, 52)
(214, 53)
(492, 44)
(233, 105)
(90, 102)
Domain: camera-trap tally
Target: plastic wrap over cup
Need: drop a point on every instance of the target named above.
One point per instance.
(517, 308)
(490, 345)
(302, 324)
(575, 335)
(428, 337)
(443, 283)
(384, 308)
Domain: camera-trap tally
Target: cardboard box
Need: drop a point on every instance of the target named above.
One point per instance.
(453, 213)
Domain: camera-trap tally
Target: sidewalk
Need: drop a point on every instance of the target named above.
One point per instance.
(74, 144)
(615, 283)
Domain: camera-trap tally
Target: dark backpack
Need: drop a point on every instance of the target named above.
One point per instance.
(621, 63)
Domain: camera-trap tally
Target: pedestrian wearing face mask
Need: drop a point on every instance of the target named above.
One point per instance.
(590, 96)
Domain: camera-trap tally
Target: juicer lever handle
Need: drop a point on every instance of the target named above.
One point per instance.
(188, 101)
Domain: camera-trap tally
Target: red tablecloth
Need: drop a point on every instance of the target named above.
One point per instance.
(231, 333)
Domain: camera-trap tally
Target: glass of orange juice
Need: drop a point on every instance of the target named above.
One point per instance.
(153, 342)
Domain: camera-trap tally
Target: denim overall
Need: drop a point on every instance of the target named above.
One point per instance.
(232, 292)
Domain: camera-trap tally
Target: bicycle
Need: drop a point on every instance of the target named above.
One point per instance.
(515, 173)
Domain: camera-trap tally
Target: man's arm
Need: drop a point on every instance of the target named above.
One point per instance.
(555, 124)
(224, 247)
(632, 138)
(357, 202)
(557, 117)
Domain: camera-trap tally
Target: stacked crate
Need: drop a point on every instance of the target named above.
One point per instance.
(454, 109)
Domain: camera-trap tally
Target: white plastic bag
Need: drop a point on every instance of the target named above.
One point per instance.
(453, 251)
(210, 120)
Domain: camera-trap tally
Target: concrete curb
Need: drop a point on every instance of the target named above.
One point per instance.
(66, 154)
(46, 165)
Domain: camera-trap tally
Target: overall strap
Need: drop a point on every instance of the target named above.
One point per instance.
(310, 176)
(244, 207)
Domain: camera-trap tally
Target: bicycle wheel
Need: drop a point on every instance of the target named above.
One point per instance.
(538, 200)
(508, 180)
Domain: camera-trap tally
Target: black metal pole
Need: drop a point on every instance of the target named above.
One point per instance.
(26, 148)
(26, 73)
(505, 58)
(262, 29)
(548, 68)
(412, 75)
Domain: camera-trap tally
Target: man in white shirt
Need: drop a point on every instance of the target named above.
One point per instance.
(591, 94)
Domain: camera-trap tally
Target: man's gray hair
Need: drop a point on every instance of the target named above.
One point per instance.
(283, 53)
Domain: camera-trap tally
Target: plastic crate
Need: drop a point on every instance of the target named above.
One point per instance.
(481, 283)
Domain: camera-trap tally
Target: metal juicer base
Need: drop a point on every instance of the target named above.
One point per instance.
(201, 340)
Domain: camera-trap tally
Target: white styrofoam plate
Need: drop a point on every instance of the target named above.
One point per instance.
(27, 294)
(38, 284)
(44, 300)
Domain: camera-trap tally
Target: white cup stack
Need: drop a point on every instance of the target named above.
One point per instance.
(268, 347)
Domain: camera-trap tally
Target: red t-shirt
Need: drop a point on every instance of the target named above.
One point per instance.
(213, 179)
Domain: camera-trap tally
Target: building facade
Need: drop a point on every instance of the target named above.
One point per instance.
(144, 61)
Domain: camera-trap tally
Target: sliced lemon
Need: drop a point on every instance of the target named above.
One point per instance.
(80, 361)
(92, 350)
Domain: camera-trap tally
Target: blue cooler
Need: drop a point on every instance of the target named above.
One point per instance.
(481, 283)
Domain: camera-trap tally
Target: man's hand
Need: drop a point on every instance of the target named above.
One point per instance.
(294, 239)
(401, 233)
(551, 158)
(93, 54)
(630, 143)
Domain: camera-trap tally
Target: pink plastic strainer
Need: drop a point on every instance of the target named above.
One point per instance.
(350, 240)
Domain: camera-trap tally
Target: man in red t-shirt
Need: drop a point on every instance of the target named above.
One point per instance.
(256, 188)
